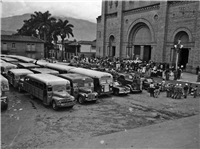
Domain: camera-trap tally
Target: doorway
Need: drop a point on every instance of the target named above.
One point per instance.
(136, 51)
(113, 51)
(147, 53)
(183, 57)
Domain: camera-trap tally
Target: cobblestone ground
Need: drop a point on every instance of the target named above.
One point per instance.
(29, 124)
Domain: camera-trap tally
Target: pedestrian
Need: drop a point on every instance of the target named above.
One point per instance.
(197, 70)
(185, 89)
(151, 89)
(195, 91)
(180, 91)
(168, 89)
(175, 74)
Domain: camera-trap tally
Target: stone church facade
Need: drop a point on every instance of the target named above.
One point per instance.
(149, 30)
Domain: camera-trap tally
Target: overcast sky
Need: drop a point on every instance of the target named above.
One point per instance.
(83, 9)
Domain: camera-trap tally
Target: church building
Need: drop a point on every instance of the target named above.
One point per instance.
(161, 31)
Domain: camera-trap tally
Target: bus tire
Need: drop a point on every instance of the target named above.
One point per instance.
(81, 99)
(54, 105)
(116, 92)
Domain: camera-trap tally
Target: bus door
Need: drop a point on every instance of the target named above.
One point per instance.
(47, 94)
(97, 86)
(76, 91)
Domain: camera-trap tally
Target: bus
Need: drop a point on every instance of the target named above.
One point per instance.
(22, 58)
(61, 68)
(102, 81)
(5, 67)
(10, 60)
(82, 87)
(4, 90)
(41, 63)
(2, 61)
(44, 71)
(52, 90)
(27, 65)
(14, 75)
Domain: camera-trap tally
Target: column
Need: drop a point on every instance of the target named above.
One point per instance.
(141, 52)
(133, 52)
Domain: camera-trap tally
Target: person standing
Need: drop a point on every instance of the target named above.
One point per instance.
(197, 70)
(195, 92)
(185, 89)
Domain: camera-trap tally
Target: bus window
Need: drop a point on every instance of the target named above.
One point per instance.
(59, 88)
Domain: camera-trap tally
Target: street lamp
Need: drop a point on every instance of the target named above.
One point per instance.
(178, 48)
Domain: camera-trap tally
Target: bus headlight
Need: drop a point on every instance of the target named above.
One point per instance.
(72, 98)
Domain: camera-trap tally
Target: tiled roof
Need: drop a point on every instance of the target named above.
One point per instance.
(20, 38)
(92, 43)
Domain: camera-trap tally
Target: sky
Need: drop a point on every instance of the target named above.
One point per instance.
(81, 9)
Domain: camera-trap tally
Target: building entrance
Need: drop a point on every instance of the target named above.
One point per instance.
(147, 53)
(183, 57)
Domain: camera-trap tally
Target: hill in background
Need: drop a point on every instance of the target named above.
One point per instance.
(83, 29)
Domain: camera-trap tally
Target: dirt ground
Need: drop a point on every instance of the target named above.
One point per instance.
(29, 124)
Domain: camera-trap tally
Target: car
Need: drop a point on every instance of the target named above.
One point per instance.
(146, 83)
(118, 88)
(131, 81)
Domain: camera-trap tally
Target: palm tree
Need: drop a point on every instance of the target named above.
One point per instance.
(43, 22)
(63, 29)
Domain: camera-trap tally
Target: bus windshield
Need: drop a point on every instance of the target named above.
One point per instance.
(59, 88)
(90, 84)
(106, 80)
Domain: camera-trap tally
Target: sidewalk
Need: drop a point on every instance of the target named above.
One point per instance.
(182, 133)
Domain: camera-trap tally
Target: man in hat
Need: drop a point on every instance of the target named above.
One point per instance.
(185, 90)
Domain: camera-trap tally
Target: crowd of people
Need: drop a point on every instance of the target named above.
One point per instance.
(149, 69)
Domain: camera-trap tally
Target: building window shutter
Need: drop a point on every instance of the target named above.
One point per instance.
(28, 47)
(4, 46)
(33, 47)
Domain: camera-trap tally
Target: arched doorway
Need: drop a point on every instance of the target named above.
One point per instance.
(140, 37)
(112, 46)
(184, 52)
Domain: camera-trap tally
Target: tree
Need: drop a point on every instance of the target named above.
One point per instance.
(43, 22)
(63, 29)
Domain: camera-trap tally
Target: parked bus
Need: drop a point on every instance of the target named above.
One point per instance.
(102, 81)
(44, 71)
(10, 60)
(27, 65)
(41, 63)
(14, 75)
(2, 61)
(4, 90)
(52, 90)
(59, 67)
(82, 87)
(22, 58)
(5, 67)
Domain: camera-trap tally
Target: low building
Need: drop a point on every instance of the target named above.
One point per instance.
(22, 45)
(88, 48)
(71, 48)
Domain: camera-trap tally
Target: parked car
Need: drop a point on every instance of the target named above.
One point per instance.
(4, 89)
(146, 83)
(133, 82)
(118, 88)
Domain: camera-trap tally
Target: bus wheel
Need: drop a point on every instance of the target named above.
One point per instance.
(116, 92)
(54, 105)
(81, 100)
